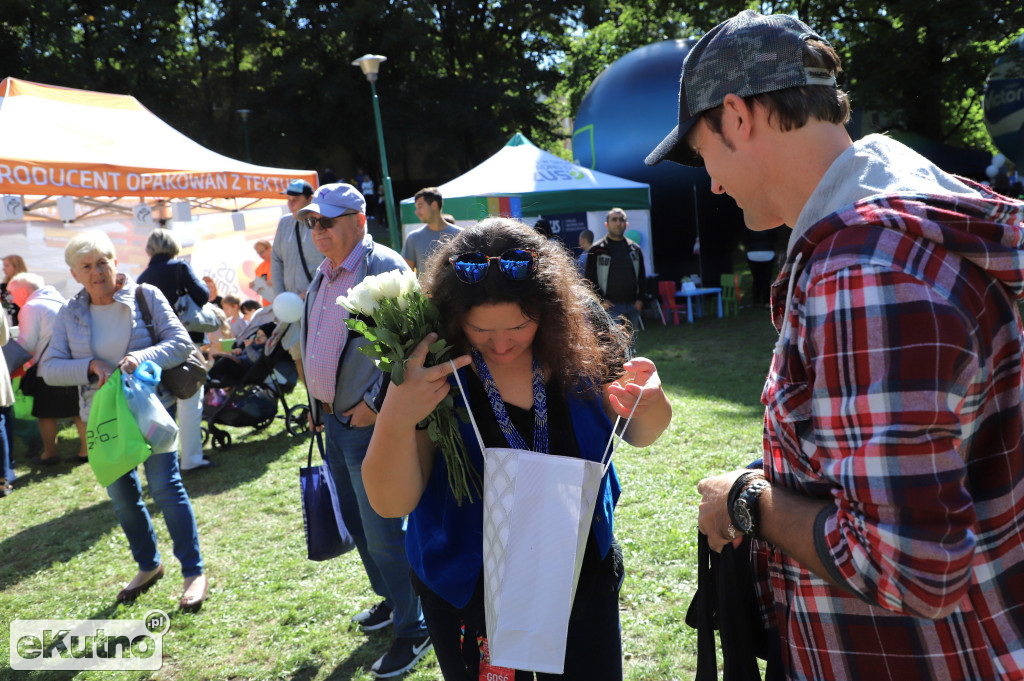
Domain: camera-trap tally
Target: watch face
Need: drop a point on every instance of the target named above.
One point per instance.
(743, 517)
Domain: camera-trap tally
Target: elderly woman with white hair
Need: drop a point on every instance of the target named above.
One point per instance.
(39, 305)
(99, 330)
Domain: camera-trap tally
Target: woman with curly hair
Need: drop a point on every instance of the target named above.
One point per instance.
(543, 364)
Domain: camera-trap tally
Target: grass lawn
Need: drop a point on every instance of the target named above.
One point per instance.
(272, 614)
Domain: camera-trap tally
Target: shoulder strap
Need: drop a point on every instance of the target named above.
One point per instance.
(302, 256)
(147, 318)
(178, 288)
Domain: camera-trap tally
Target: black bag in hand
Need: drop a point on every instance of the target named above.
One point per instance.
(184, 380)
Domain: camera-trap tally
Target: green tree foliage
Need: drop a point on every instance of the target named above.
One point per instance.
(463, 75)
(920, 65)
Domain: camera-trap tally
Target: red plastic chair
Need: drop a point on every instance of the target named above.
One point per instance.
(667, 293)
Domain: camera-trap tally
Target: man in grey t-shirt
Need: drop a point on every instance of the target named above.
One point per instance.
(294, 259)
(421, 242)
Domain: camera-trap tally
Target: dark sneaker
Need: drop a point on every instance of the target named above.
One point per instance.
(403, 656)
(377, 617)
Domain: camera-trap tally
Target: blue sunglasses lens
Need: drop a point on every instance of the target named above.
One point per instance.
(470, 268)
(516, 264)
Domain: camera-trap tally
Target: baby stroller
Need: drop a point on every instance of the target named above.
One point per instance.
(246, 395)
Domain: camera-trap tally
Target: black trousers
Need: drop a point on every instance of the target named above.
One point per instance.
(594, 646)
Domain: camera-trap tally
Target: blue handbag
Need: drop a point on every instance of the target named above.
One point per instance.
(326, 534)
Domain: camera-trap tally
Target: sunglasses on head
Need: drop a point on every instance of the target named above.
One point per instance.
(325, 223)
(515, 263)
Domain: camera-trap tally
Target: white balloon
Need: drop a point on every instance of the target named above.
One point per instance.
(992, 171)
(288, 307)
(998, 160)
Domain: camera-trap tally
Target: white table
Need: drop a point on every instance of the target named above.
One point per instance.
(695, 295)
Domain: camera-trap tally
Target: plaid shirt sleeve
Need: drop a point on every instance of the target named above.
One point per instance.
(892, 364)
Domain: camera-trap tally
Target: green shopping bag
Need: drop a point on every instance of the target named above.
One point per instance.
(115, 443)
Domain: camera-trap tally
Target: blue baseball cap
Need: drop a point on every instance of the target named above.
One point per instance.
(297, 187)
(331, 200)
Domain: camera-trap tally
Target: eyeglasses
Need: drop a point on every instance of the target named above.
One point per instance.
(325, 223)
(515, 263)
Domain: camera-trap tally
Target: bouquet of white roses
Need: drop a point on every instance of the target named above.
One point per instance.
(402, 316)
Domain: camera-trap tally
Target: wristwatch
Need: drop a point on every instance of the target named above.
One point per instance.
(744, 511)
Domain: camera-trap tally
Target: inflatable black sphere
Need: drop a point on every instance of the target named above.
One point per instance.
(629, 108)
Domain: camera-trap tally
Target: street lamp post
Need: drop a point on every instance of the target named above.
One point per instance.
(370, 65)
(244, 113)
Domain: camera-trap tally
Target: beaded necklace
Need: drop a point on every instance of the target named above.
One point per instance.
(540, 406)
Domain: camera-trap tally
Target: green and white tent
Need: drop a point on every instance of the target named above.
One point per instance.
(524, 181)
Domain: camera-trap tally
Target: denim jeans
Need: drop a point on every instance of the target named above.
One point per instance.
(380, 541)
(6, 464)
(627, 310)
(164, 480)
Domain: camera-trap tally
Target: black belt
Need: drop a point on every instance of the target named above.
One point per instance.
(327, 407)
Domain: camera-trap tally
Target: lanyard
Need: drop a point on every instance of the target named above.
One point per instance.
(540, 407)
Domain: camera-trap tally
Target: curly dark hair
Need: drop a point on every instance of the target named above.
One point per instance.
(576, 340)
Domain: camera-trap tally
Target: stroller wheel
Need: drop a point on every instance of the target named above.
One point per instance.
(206, 435)
(296, 421)
(221, 440)
(260, 425)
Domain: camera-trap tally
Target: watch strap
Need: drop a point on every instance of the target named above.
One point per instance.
(750, 495)
(737, 487)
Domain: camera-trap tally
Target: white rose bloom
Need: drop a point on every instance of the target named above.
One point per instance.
(349, 305)
(403, 303)
(391, 284)
(371, 283)
(365, 299)
(410, 282)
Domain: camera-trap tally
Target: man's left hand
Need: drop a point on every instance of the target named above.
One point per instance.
(713, 516)
(360, 416)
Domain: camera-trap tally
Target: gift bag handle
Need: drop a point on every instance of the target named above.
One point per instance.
(615, 427)
(465, 399)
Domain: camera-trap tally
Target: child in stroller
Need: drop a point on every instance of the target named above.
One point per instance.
(244, 387)
(231, 367)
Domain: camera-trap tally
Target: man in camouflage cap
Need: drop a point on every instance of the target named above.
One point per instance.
(887, 524)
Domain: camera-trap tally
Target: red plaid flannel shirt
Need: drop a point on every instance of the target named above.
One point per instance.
(896, 392)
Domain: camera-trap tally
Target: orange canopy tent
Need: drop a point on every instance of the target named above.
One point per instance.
(62, 141)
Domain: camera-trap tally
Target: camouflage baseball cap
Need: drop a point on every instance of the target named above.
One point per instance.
(747, 55)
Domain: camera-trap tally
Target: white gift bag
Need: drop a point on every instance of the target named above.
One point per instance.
(538, 509)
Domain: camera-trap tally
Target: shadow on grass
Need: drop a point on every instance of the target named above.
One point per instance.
(38, 547)
(361, 658)
(248, 458)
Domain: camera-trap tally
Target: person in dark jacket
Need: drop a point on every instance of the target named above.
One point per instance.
(175, 278)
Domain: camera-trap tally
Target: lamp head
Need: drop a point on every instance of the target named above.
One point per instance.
(370, 65)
